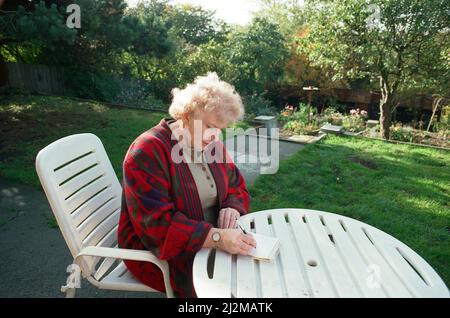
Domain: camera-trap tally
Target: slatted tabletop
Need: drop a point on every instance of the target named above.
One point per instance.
(321, 255)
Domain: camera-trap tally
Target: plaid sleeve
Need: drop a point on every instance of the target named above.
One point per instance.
(161, 228)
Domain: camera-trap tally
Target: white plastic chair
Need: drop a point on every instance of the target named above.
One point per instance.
(85, 197)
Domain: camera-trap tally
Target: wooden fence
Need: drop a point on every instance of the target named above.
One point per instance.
(358, 97)
(36, 78)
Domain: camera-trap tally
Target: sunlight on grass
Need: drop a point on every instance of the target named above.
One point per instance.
(400, 189)
(98, 108)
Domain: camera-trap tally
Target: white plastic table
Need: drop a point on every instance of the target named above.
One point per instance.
(321, 255)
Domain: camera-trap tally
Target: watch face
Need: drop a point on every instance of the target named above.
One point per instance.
(216, 237)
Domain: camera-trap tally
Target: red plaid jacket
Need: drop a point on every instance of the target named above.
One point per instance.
(161, 209)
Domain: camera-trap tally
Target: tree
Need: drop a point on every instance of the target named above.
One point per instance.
(107, 30)
(26, 27)
(150, 35)
(196, 25)
(258, 54)
(386, 41)
(208, 57)
(287, 14)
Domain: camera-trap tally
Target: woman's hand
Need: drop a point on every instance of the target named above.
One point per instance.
(236, 242)
(227, 218)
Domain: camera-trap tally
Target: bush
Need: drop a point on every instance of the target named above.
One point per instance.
(443, 126)
(331, 101)
(332, 116)
(356, 121)
(297, 127)
(303, 114)
(113, 89)
(151, 102)
(402, 133)
(293, 126)
(93, 85)
(256, 105)
(136, 93)
(132, 92)
(306, 120)
(300, 120)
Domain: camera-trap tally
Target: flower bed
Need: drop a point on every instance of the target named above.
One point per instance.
(306, 120)
(404, 133)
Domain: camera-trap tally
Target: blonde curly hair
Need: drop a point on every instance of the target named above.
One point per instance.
(208, 93)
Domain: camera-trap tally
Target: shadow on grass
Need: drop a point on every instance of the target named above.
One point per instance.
(29, 123)
(26, 121)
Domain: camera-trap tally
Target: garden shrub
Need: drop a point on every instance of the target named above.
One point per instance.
(113, 89)
(443, 126)
(355, 121)
(256, 105)
(93, 85)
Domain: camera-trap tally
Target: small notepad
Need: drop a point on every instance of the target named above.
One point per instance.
(266, 247)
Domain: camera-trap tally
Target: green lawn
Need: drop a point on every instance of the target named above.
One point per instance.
(400, 189)
(29, 123)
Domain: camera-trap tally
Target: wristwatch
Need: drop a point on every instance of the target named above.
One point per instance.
(216, 238)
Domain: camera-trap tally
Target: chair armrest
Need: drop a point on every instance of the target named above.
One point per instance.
(122, 253)
(127, 254)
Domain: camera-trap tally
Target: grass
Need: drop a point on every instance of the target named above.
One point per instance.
(29, 123)
(400, 189)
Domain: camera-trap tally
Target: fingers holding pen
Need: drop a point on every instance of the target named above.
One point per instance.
(249, 240)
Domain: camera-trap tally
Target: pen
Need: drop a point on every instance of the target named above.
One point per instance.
(240, 226)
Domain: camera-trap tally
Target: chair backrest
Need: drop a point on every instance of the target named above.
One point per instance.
(83, 191)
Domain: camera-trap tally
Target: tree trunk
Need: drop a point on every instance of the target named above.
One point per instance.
(385, 118)
(386, 106)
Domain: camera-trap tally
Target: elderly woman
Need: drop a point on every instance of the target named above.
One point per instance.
(177, 197)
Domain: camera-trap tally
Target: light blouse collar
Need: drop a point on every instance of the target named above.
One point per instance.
(191, 154)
